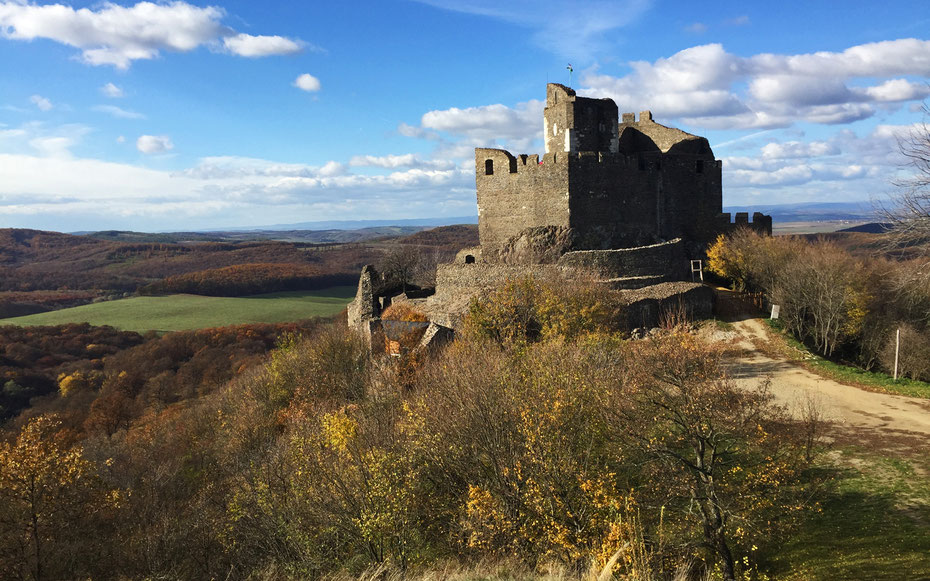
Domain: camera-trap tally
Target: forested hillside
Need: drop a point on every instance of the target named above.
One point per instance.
(69, 368)
(40, 270)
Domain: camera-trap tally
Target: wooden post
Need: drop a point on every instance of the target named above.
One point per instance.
(897, 346)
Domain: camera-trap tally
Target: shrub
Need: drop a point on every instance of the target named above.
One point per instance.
(526, 310)
(913, 355)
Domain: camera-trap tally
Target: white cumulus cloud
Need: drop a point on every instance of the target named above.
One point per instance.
(307, 82)
(150, 144)
(897, 90)
(259, 46)
(395, 161)
(53, 146)
(796, 149)
(489, 122)
(712, 88)
(110, 34)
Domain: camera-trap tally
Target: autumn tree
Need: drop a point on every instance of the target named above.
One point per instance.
(750, 260)
(724, 454)
(912, 354)
(824, 296)
(47, 491)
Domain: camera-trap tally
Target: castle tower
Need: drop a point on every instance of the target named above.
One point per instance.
(574, 124)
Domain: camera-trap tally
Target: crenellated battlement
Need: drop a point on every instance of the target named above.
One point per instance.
(760, 223)
(497, 162)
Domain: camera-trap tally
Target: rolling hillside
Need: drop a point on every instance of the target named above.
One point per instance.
(183, 312)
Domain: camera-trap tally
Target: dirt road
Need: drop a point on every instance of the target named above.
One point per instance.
(892, 422)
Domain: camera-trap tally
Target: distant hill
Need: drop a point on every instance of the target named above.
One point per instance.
(331, 236)
(362, 224)
(151, 237)
(457, 236)
(870, 228)
(38, 262)
(41, 271)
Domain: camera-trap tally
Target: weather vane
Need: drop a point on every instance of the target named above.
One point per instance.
(570, 71)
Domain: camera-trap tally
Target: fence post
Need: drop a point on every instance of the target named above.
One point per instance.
(897, 346)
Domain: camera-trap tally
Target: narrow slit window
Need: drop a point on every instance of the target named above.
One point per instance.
(489, 167)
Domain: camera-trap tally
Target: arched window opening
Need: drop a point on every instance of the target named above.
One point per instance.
(489, 167)
(469, 259)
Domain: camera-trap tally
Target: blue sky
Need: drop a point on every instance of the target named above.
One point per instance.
(198, 115)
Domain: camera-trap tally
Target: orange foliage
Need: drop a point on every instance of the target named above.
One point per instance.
(248, 279)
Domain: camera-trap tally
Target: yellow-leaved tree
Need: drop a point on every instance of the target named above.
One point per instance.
(45, 489)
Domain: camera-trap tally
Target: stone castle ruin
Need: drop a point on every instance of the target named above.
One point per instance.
(626, 202)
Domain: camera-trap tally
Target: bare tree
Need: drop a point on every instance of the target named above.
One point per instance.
(403, 264)
(909, 210)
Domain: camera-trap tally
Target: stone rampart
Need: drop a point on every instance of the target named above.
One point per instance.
(761, 223)
(667, 302)
(666, 259)
(459, 279)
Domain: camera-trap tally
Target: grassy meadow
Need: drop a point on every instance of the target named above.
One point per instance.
(873, 521)
(182, 312)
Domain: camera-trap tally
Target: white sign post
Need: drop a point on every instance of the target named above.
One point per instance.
(897, 345)
(775, 311)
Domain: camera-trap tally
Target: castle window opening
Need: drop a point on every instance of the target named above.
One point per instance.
(469, 259)
(489, 167)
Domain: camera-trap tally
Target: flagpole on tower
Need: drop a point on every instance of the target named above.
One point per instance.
(570, 71)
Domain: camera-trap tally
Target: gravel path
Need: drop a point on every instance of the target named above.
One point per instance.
(892, 422)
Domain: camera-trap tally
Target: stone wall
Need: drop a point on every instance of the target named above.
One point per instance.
(518, 192)
(646, 308)
(622, 201)
(761, 223)
(666, 259)
(458, 279)
(608, 200)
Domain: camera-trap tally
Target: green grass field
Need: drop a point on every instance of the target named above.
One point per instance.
(180, 312)
(874, 523)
